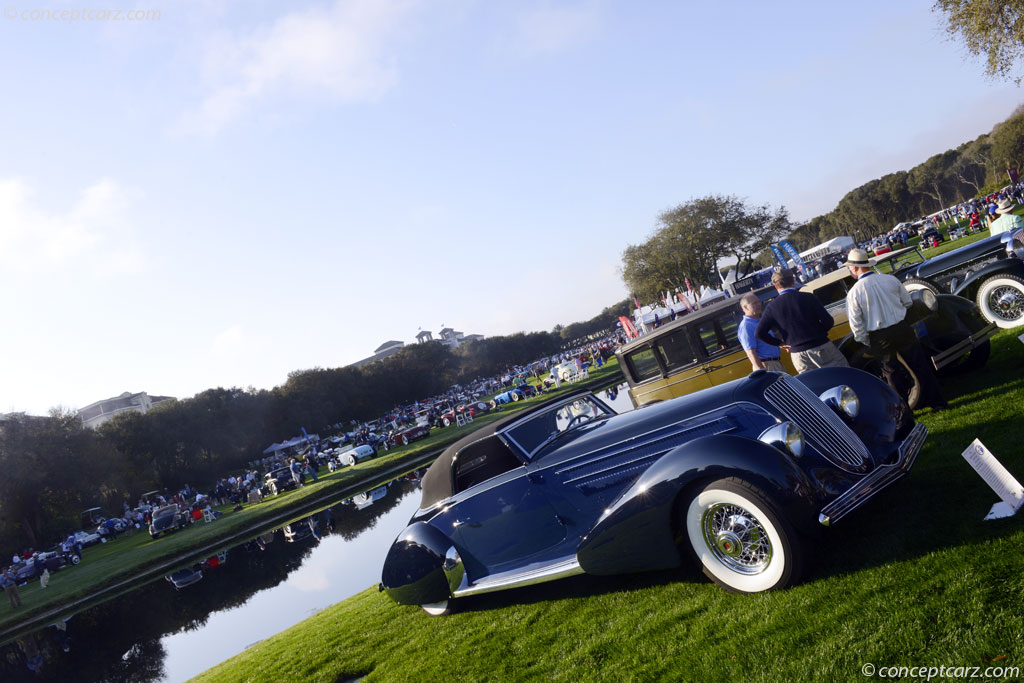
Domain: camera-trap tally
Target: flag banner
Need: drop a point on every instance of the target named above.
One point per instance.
(628, 326)
(794, 255)
(779, 256)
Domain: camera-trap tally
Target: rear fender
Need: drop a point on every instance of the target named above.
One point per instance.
(414, 570)
(637, 532)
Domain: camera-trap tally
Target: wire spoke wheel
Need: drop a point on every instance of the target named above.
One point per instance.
(742, 541)
(737, 538)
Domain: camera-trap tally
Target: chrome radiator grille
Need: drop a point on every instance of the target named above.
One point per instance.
(822, 427)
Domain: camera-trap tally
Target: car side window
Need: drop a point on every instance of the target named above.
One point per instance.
(677, 350)
(830, 294)
(480, 461)
(643, 364)
(712, 334)
(730, 328)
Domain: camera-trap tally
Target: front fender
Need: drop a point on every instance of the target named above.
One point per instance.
(884, 418)
(637, 532)
(413, 571)
(1004, 266)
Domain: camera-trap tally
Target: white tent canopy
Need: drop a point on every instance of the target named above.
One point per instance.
(832, 246)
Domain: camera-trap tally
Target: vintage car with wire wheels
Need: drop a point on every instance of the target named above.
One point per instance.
(406, 436)
(167, 519)
(989, 271)
(516, 394)
(735, 478)
(474, 409)
(278, 480)
(354, 456)
(702, 349)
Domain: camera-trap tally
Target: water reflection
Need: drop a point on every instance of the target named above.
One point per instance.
(173, 629)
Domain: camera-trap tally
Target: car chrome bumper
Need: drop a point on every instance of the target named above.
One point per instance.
(882, 476)
(941, 360)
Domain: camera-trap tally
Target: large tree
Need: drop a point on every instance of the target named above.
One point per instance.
(993, 29)
(693, 237)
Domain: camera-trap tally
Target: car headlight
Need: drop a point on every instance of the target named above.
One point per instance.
(843, 399)
(929, 299)
(785, 435)
(1015, 244)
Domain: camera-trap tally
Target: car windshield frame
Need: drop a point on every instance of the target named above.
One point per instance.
(534, 433)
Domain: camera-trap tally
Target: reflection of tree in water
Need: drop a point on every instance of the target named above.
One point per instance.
(121, 640)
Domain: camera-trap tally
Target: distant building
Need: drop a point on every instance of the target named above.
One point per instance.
(95, 414)
(449, 337)
(388, 348)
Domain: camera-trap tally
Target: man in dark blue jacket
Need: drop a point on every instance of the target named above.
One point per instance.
(798, 322)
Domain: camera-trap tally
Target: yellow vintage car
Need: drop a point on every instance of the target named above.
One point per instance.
(701, 349)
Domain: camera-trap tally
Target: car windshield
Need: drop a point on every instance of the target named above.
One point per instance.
(900, 261)
(536, 432)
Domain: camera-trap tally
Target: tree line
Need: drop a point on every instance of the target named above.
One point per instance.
(53, 468)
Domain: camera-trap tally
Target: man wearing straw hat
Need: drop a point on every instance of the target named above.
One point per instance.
(877, 308)
(1007, 219)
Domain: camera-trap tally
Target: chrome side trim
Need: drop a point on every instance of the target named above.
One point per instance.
(941, 360)
(559, 570)
(882, 476)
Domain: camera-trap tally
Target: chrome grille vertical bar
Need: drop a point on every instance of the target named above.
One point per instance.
(820, 424)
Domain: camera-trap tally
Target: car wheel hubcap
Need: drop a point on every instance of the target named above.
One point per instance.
(736, 538)
(1007, 302)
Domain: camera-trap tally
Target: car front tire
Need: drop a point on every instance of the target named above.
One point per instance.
(445, 421)
(1001, 300)
(744, 544)
(405, 440)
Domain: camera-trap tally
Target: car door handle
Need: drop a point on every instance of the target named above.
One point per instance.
(457, 523)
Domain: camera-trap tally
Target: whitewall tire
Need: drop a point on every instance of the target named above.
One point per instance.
(1001, 300)
(742, 542)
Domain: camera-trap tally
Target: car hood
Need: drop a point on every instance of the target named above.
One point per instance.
(953, 259)
(632, 425)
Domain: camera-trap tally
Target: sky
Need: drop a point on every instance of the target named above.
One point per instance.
(216, 193)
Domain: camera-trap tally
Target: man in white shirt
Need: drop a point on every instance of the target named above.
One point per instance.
(1007, 220)
(877, 308)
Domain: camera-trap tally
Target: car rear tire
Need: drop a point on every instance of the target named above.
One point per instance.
(515, 396)
(741, 539)
(1001, 300)
(439, 609)
(445, 421)
(75, 559)
(350, 460)
(913, 284)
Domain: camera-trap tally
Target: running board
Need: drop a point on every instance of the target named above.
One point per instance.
(551, 572)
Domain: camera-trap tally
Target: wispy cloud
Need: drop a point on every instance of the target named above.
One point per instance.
(344, 52)
(97, 232)
(550, 28)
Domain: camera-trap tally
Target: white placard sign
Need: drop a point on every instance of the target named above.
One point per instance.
(996, 476)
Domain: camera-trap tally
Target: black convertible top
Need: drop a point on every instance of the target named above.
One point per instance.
(437, 482)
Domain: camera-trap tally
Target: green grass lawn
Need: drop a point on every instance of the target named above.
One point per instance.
(110, 569)
(915, 578)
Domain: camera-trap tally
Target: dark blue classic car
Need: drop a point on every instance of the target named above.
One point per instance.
(733, 477)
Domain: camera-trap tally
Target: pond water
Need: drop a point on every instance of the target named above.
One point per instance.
(160, 634)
